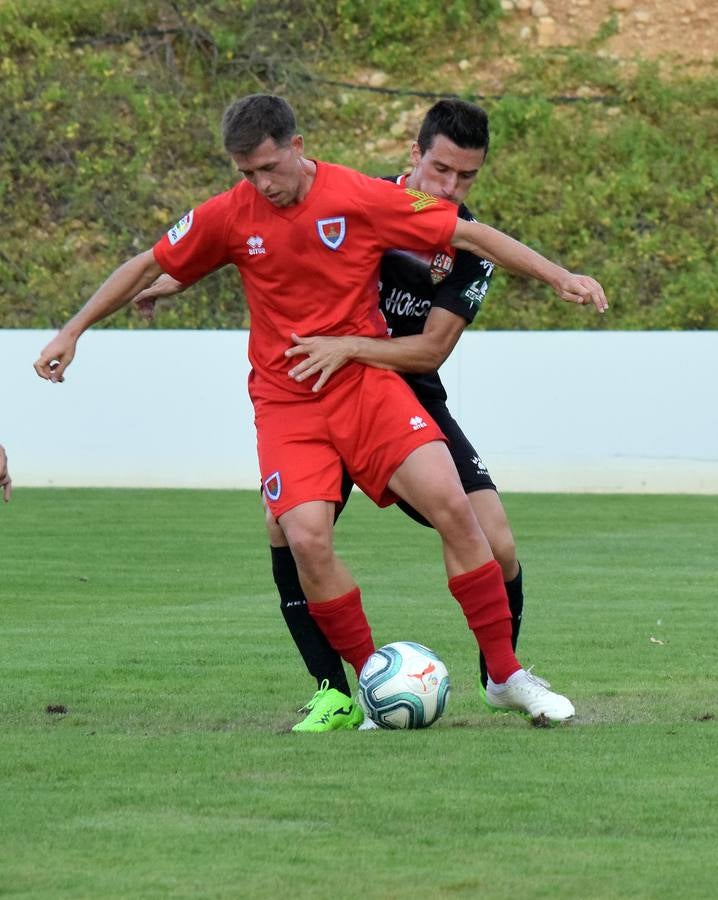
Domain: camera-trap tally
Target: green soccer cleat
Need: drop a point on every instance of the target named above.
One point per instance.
(329, 710)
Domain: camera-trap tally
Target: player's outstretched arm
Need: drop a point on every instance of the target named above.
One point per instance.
(124, 283)
(494, 245)
(5, 479)
(418, 353)
(164, 286)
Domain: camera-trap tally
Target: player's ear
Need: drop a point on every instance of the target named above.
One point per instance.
(415, 154)
(297, 144)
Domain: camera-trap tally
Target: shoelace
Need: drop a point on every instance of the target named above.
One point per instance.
(537, 679)
(323, 688)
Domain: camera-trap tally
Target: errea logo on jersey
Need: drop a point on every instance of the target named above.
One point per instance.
(255, 244)
(416, 423)
(178, 231)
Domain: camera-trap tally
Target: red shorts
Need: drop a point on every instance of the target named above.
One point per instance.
(370, 422)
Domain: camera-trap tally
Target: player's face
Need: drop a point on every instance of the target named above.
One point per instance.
(276, 171)
(445, 170)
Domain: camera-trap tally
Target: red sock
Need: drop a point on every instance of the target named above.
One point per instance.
(482, 596)
(344, 625)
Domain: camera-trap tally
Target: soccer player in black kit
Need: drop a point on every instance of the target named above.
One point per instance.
(427, 303)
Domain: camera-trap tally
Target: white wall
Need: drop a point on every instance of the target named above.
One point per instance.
(584, 411)
(548, 411)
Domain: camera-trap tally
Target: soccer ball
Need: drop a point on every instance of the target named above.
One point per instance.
(404, 685)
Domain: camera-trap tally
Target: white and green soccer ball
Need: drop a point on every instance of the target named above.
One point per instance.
(404, 685)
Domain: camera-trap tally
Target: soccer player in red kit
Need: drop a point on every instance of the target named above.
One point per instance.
(307, 238)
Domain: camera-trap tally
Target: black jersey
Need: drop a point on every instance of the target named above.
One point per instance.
(412, 282)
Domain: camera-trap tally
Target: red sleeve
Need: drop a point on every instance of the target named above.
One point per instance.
(196, 245)
(406, 218)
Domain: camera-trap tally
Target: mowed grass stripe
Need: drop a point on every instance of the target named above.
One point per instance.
(151, 615)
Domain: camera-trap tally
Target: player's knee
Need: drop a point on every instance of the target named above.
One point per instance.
(453, 515)
(274, 530)
(504, 549)
(312, 550)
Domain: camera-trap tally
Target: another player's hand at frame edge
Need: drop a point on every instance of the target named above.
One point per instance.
(583, 290)
(5, 479)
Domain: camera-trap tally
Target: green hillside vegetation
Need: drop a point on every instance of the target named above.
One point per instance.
(109, 117)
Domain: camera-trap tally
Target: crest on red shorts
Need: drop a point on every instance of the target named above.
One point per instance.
(273, 486)
(332, 231)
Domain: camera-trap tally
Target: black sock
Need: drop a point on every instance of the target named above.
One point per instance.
(319, 657)
(515, 593)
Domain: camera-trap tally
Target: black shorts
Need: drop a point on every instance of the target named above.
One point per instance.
(473, 473)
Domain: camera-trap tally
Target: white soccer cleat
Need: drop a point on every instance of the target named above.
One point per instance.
(529, 694)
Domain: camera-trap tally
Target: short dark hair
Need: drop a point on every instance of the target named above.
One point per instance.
(249, 121)
(466, 124)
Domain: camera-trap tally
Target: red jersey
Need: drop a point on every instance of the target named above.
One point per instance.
(311, 268)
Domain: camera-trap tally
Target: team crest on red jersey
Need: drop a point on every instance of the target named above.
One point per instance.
(273, 486)
(332, 231)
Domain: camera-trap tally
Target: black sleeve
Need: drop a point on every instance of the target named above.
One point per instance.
(462, 292)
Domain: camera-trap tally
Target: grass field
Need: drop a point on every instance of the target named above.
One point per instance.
(151, 616)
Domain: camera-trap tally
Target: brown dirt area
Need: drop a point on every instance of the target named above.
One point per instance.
(681, 34)
(680, 31)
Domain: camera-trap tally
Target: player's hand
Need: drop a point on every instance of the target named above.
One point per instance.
(56, 357)
(5, 480)
(145, 307)
(164, 286)
(324, 355)
(581, 289)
